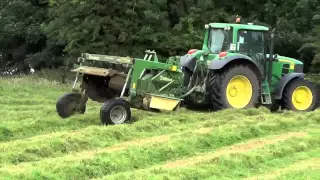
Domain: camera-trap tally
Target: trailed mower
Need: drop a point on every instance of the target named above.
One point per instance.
(236, 68)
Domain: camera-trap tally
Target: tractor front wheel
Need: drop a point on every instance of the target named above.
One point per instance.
(67, 105)
(237, 87)
(115, 111)
(300, 95)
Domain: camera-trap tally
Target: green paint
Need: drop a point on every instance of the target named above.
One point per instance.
(149, 84)
(105, 58)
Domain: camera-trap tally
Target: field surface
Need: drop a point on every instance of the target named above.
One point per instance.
(232, 144)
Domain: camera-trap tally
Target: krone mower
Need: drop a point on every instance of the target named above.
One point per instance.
(236, 68)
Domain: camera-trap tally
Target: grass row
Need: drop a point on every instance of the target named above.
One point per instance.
(133, 158)
(96, 136)
(65, 142)
(37, 121)
(312, 173)
(236, 166)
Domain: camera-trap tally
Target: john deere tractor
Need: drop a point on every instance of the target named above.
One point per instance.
(236, 68)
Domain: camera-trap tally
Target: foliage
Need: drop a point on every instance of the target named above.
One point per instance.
(20, 33)
(173, 27)
(316, 36)
(45, 34)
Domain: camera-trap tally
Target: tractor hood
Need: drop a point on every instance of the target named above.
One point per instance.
(287, 59)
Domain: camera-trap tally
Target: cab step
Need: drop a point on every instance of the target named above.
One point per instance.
(265, 93)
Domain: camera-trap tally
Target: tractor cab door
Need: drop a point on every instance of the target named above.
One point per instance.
(252, 43)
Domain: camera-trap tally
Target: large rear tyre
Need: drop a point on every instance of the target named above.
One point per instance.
(300, 95)
(237, 87)
(68, 103)
(114, 112)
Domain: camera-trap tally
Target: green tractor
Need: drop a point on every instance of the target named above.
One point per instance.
(236, 68)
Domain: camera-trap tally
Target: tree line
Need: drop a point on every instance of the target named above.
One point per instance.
(53, 33)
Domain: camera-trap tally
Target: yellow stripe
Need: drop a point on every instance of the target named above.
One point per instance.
(291, 66)
(283, 60)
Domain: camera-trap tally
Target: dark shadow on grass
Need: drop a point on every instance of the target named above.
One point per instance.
(206, 109)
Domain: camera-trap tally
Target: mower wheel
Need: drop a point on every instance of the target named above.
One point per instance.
(115, 111)
(67, 105)
(300, 95)
(237, 87)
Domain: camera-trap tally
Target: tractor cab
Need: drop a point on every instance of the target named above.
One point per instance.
(236, 41)
(247, 39)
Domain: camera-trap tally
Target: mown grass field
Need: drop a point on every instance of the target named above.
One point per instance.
(232, 144)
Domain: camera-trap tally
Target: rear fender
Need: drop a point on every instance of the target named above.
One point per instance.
(239, 59)
(283, 83)
(219, 64)
(188, 62)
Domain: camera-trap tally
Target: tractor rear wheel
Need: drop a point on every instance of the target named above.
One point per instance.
(115, 111)
(300, 95)
(237, 87)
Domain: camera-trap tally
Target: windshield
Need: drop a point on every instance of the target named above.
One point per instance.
(251, 42)
(219, 40)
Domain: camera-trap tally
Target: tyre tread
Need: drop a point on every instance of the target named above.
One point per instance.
(286, 101)
(216, 79)
(63, 101)
(108, 105)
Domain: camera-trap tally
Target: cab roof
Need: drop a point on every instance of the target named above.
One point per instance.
(240, 26)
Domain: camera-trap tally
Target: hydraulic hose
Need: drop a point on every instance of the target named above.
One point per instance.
(188, 93)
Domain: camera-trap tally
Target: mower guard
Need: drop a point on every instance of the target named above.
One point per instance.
(164, 103)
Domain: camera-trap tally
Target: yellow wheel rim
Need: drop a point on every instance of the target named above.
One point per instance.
(239, 92)
(302, 98)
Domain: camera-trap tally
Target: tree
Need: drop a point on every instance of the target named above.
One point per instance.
(115, 27)
(49, 39)
(20, 33)
(316, 36)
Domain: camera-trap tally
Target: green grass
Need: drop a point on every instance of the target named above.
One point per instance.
(235, 166)
(262, 161)
(36, 144)
(302, 174)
